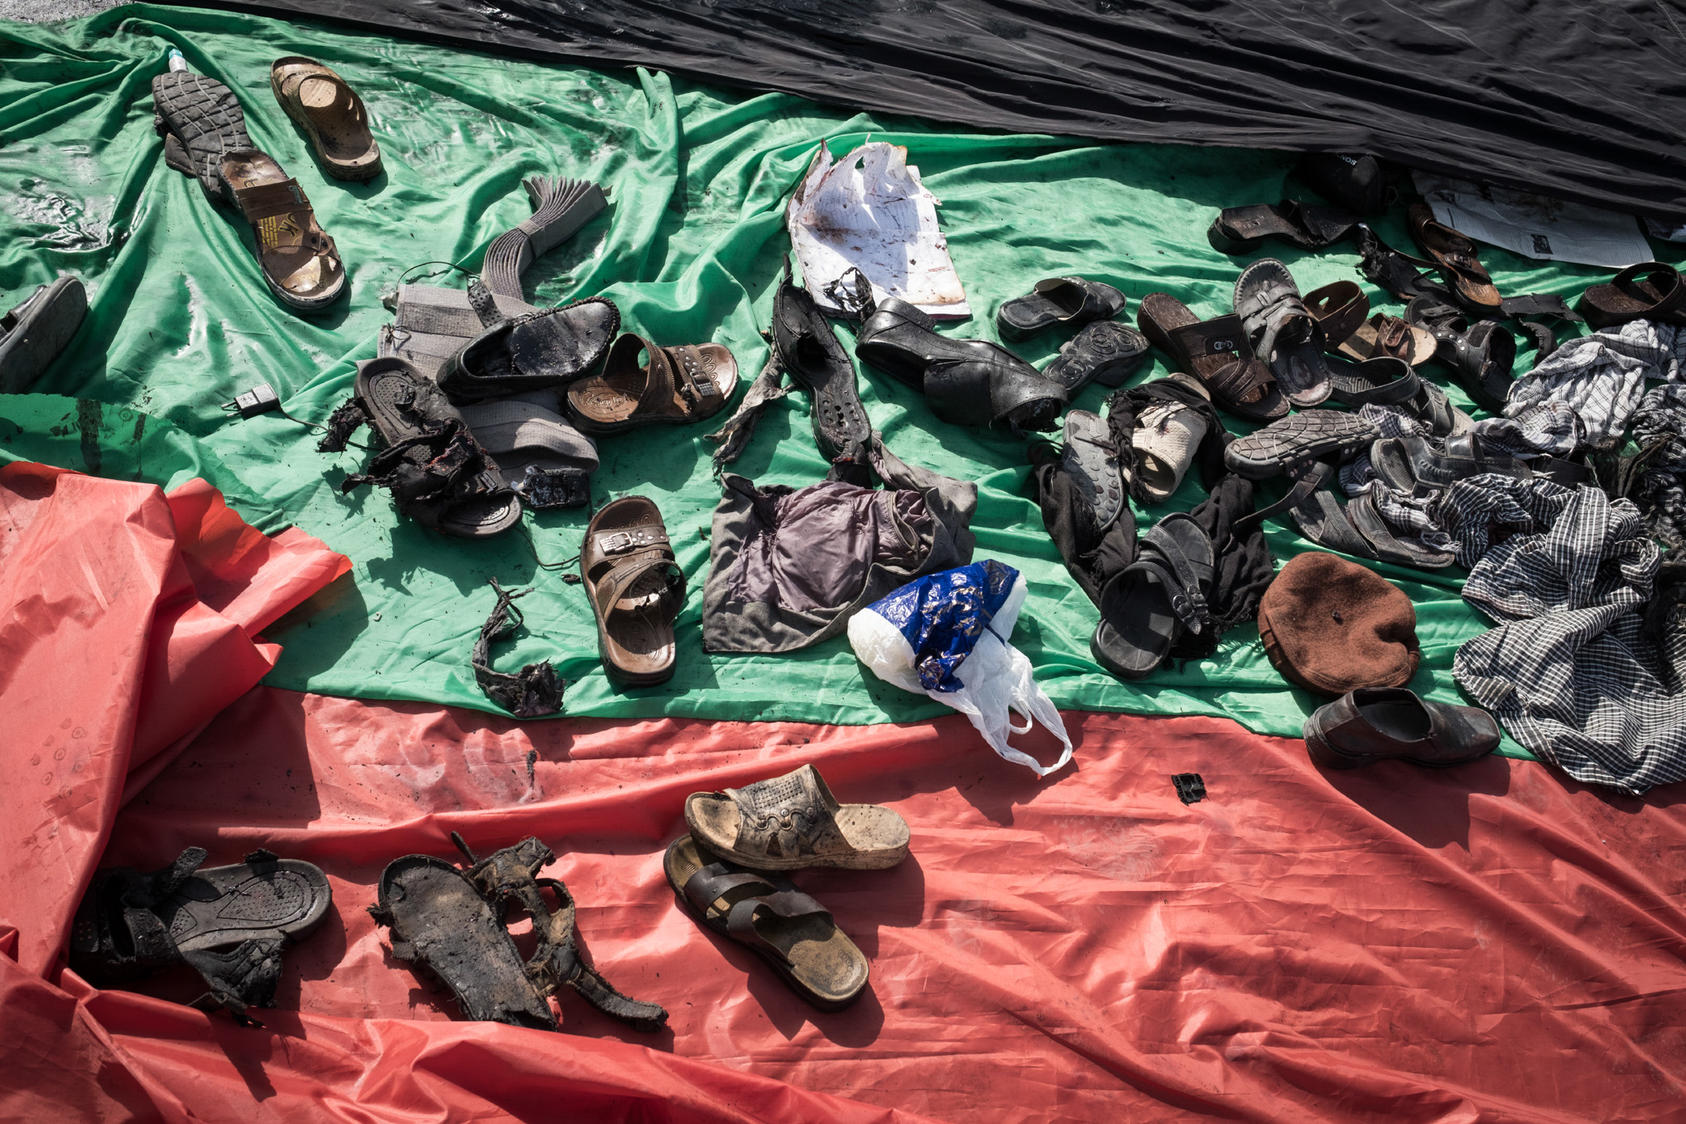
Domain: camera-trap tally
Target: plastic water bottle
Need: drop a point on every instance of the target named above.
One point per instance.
(177, 62)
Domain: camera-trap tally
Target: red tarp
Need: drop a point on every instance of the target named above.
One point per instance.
(1489, 941)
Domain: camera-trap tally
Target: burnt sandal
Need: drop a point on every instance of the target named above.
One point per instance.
(636, 590)
(674, 386)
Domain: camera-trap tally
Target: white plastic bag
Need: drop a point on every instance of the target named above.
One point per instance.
(995, 677)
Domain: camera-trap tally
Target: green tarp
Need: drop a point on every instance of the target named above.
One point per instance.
(690, 250)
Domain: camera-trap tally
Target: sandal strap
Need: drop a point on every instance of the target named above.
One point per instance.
(710, 883)
(265, 200)
(1162, 556)
(788, 904)
(1339, 308)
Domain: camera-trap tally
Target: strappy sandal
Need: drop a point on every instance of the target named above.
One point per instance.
(1282, 332)
(809, 351)
(1105, 352)
(1651, 290)
(787, 928)
(1280, 447)
(438, 473)
(1482, 355)
(1065, 301)
(1240, 230)
(675, 386)
(34, 333)
(1217, 353)
(793, 821)
(1153, 601)
(451, 922)
(966, 382)
(534, 351)
(636, 589)
(1355, 528)
(330, 114)
(228, 923)
(1341, 308)
(1453, 254)
(204, 134)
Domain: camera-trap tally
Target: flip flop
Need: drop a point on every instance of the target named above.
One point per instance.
(34, 333)
(1217, 353)
(1067, 301)
(1650, 290)
(330, 114)
(636, 590)
(787, 928)
(793, 821)
(1155, 599)
(674, 386)
(1453, 254)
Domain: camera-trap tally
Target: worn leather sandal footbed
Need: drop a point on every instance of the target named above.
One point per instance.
(673, 386)
(1065, 301)
(451, 922)
(205, 136)
(330, 114)
(1281, 331)
(793, 821)
(1217, 353)
(1651, 290)
(1105, 352)
(966, 382)
(1239, 230)
(1453, 254)
(438, 473)
(787, 928)
(1385, 723)
(534, 351)
(809, 352)
(228, 923)
(1309, 436)
(1155, 599)
(34, 333)
(636, 590)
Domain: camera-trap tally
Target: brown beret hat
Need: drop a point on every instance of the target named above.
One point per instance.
(1334, 626)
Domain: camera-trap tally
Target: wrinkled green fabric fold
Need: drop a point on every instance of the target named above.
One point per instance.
(690, 249)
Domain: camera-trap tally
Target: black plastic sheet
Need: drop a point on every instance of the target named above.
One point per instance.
(1575, 99)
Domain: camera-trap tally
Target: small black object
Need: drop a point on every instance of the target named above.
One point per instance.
(1190, 788)
(259, 400)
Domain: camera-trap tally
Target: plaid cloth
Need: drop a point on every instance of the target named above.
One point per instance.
(1569, 669)
(1550, 428)
(1602, 376)
(1660, 491)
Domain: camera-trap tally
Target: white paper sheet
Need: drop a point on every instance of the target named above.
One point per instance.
(1535, 226)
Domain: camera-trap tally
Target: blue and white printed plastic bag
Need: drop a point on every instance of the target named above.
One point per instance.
(947, 635)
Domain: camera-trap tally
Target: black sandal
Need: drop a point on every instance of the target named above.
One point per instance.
(228, 923)
(1240, 230)
(807, 350)
(1482, 355)
(451, 922)
(1314, 435)
(967, 382)
(1282, 331)
(1152, 602)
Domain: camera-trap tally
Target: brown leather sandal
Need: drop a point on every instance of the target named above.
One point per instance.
(675, 386)
(1453, 254)
(331, 115)
(299, 262)
(1217, 353)
(636, 589)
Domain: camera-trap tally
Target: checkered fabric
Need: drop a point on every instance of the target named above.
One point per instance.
(1660, 492)
(1568, 670)
(1602, 376)
(1406, 514)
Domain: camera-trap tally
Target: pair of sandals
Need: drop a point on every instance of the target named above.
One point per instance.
(721, 873)
(205, 137)
(1103, 350)
(452, 922)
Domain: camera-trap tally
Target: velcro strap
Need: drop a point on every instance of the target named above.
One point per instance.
(261, 201)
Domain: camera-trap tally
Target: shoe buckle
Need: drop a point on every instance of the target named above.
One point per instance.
(616, 542)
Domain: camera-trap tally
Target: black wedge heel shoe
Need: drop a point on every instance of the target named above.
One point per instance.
(967, 382)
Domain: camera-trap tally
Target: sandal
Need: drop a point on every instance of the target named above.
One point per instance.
(1407, 464)
(636, 589)
(543, 459)
(1168, 431)
(438, 473)
(1240, 230)
(809, 352)
(676, 386)
(1453, 255)
(1314, 435)
(1106, 352)
(228, 923)
(534, 351)
(451, 922)
(789, 929)
(1387, 381)
(1650, 290)
(1282, 332)
(1066, 301)
(330, 114)
(1090, 458)
(1482, 355)
(1149, 604)
(34, 333)
(1340, 309)
(966, 382)
(793, 821)
(1217, 353)
(204, 134)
